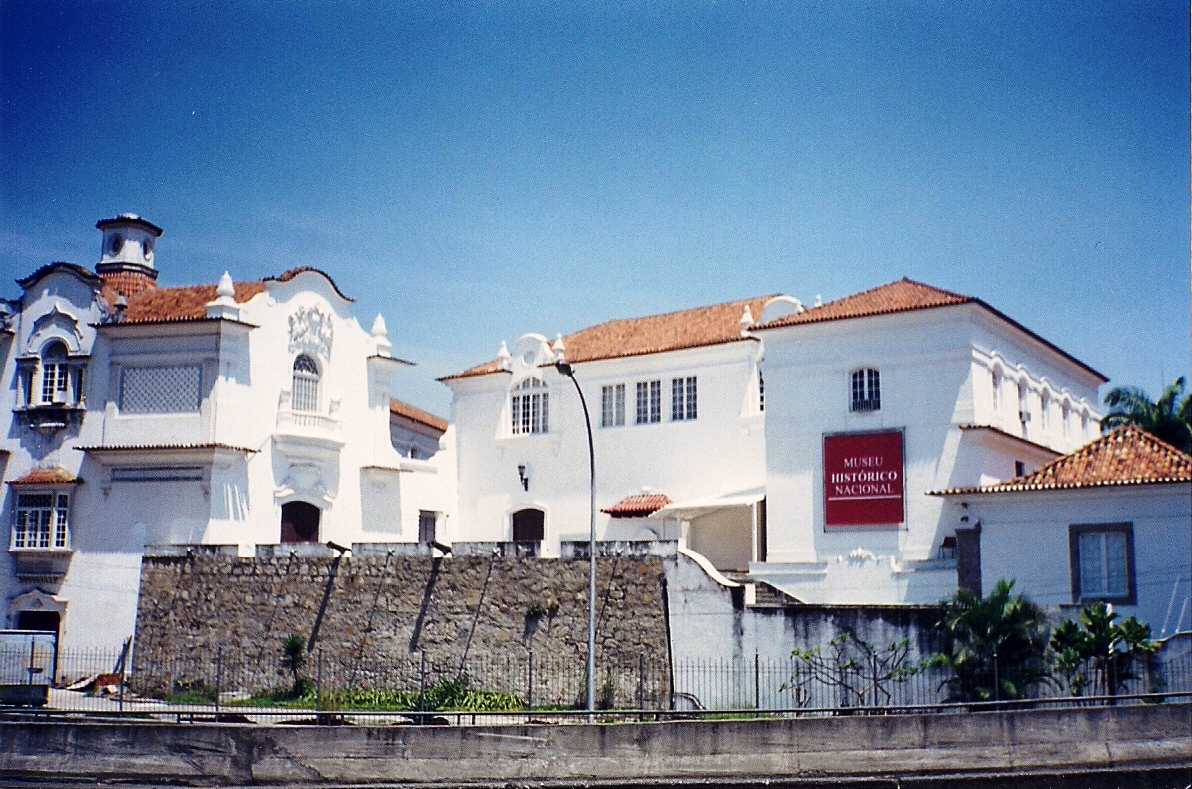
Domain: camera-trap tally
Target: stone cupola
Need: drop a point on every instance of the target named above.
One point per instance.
(127, 262)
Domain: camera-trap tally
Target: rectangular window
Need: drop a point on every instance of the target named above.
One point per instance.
(528, 408)
(42, 522)
(866, 390)
(1102, 562)
(53, 383)
(761, 390)
(683, 398)
(649, 402)
(612, 405)
(426, 526)
(173, 389)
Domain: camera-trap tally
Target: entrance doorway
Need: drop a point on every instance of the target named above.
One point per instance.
(48, 621)
(300, 522)
(529, 525)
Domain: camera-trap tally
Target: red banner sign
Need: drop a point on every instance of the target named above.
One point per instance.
(863, 479)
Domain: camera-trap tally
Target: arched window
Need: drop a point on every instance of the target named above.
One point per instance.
(528, 407)
(305, 391)
(54, 373)
(866, 390)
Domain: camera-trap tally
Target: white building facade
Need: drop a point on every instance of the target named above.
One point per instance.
(876, 399)
(245, 414)
(813, 436)
(677, 429)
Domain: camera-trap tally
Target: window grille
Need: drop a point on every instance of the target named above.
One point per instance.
(426, 525)
(158, 474)
(304, 394)
(649, 402)
(612, 405)
(761, 390)
(528, 407)
(172, 389)
(866, 390)
(683, 398)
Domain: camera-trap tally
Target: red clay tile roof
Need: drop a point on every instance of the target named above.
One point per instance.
(616, 339)
(185, 303)
(45, 476)
(1125, 456)
(901, 296)
(638, 505)
(905, 295)
(416, 414)
(129, 281)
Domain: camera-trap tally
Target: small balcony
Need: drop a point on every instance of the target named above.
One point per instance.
(50, 416)
(41, 556)
(326, 429)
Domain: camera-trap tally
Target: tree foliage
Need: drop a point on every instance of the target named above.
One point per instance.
(1168, 418)
(996, 646)
(1098, 653)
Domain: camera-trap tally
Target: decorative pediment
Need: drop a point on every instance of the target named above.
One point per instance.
(311, 331)
(55, 325)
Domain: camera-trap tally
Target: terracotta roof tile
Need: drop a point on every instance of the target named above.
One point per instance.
(1125, 456)
(45, 476)
(638, 505)
(901, 296)
(673, 331)
(185, 303)
(905, 295)
(416, 414)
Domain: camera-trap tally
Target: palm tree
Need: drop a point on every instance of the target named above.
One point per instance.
(996, 645)
(1168, 418)
(1099, 651)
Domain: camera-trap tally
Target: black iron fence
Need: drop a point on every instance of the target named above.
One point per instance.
(311, 685)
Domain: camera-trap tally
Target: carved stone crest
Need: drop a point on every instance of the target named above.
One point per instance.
(310, 330)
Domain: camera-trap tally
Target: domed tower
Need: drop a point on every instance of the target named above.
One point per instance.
(127, 263)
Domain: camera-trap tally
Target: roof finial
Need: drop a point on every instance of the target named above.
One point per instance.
(557, 347)
(224, 305)
(504, 358)
(746, 321)
(380, 335)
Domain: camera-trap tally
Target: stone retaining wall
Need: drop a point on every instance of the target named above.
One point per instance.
(375, 616)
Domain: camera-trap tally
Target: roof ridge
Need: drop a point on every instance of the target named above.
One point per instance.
(670, 313)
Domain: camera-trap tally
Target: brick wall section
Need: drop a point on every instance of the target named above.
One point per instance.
(377, 614)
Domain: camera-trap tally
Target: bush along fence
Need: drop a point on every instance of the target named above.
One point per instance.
(846, 676)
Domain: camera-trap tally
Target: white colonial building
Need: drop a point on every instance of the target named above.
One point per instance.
(795, 444)
(677, 425)
(251, 414)
(876, 399)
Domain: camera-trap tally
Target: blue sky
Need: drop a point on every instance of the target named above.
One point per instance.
(474, 171)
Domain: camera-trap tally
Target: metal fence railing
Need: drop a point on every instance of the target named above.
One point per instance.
(234, 686)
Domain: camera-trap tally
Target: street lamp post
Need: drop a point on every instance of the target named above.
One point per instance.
(565, 369)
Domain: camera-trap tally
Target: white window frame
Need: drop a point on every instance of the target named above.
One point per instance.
(304, 384)
(612, 405)
(684, 399)
(648, 402)
(865, 390)
(1102, 562)
(529, 408)
(38, 526)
